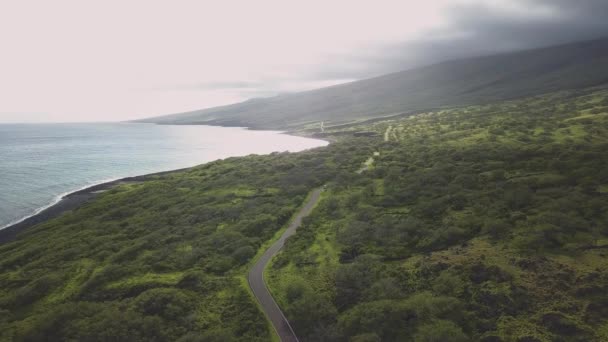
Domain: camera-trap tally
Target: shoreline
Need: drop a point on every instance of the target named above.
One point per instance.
(71, 201)
(75, 199)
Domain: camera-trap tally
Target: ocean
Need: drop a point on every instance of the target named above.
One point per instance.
(39, 163)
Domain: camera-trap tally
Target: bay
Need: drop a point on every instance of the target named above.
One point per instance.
(39, 163)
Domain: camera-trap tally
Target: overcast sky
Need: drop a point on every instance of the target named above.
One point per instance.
(117, 60)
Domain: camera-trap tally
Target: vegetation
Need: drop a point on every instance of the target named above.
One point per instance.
(476, 223)
(160, 260)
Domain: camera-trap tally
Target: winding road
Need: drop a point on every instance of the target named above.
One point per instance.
(256, 274)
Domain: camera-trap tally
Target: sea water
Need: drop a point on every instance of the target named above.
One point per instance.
(39, 163)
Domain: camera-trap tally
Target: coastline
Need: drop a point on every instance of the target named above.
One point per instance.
(71, 201)
(75, 199)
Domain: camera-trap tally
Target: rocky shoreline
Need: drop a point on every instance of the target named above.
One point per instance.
(69, 202)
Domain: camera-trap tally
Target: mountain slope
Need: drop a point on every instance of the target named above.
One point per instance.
(459, 82)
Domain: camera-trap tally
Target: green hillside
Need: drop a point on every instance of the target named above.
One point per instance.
(454, 83)
(486, 223)
(483, 223)
(159, 260)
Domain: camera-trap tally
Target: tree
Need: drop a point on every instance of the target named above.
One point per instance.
(243, 254)
(310, 310)
(171, 304)
(448, 283)
(440, 331)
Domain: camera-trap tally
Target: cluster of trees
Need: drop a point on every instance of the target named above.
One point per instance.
(468, 220)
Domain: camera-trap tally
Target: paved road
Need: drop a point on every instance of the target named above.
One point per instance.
(256, 274)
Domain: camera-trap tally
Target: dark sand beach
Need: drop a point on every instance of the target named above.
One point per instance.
(69, 202)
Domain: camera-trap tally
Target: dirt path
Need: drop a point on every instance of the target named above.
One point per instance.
(256, 274)
(387, 134)
(366, 165)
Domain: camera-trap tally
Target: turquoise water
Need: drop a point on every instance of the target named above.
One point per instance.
(39, 163)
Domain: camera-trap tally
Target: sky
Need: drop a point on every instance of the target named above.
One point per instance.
(69, 61)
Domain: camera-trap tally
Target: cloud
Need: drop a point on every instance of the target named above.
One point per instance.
(214, 85)
(480, 28)
(117, 60)
(262, 88)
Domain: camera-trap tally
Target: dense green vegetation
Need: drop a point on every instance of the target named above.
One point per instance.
(160, 260)
(475, 223)
(479, 223)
